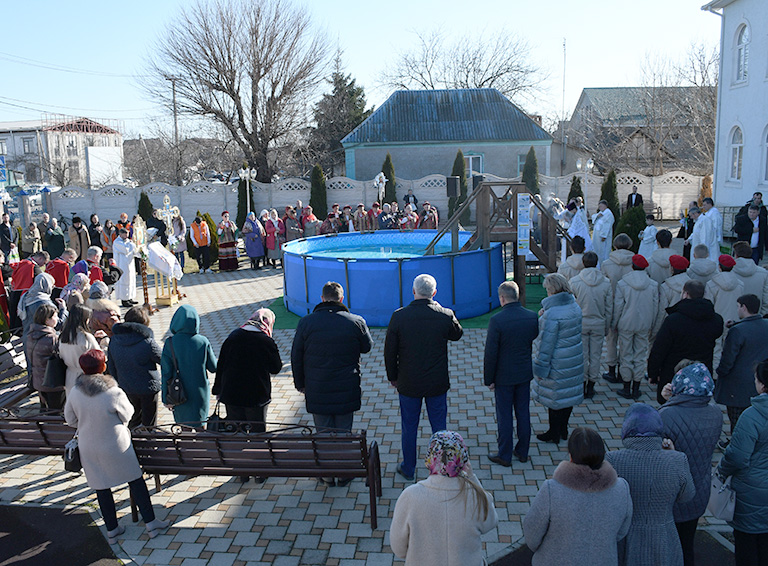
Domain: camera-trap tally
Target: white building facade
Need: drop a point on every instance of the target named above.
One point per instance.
(741, 149)
(60, 151)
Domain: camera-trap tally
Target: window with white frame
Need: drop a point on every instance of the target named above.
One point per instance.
(3, 147)
(29, 145)
(521, 163)
(737, 154)
(765, 156)
(742, 54)
(473, 165)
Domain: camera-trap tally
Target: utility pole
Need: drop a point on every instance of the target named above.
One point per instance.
(177, 148)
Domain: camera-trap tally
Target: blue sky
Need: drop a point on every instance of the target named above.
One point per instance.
(607, 41)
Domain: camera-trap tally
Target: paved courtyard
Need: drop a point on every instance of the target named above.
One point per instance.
(219, 522)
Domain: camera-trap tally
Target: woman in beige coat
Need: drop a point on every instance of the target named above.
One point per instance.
(100, 411)
(75, 340)
(440, 519)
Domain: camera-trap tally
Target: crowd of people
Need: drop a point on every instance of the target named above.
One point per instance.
(685, 326)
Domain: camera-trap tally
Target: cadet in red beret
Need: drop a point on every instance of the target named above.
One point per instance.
(635, 315)
(672, 288)
(723, 290)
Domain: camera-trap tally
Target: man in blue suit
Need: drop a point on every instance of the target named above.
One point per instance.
(508, 372)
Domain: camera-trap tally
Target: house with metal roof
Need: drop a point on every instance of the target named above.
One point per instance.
(423, 129)
(61, 150)
(646, 129)
(741, 151)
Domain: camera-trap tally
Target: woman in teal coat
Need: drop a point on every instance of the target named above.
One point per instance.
(746, 460)
(194, 358)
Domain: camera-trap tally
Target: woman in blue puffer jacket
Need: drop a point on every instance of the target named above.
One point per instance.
(746, 459)
(558, 365)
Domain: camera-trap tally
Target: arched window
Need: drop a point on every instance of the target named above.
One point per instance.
(737, 153)
(765, 155)
(742, 54)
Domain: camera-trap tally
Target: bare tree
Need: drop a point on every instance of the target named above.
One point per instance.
(667, 122)
(250, 66)
(501, 61)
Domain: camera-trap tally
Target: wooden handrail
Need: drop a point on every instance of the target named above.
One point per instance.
(453, 221)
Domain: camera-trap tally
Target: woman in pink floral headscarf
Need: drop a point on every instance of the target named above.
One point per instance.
(440, 519)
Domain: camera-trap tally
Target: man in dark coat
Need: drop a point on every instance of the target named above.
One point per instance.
(757, 200)
(416, 360)
(508, 372)
(326, 359)
(752, 228)
(689, 332)
(745, 345)
(634, 198)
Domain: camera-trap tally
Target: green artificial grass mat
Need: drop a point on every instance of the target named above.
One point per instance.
(286, 320)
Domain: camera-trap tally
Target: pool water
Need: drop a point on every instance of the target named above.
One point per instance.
(377, 251)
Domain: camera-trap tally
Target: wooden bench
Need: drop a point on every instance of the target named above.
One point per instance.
(297, 451)
(36, 435)
(649, 207)
(13, 363)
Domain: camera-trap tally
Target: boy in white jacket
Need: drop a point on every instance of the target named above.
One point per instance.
(635, 314)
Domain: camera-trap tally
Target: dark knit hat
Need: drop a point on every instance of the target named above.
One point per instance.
(93, 361)
(678, 262)
(639, 261)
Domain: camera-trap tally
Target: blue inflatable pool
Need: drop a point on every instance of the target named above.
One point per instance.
(377, 272)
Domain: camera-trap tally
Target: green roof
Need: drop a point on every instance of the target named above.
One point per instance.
(479, 114)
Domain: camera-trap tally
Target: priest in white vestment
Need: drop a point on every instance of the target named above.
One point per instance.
(124, 251)
(704, 233)
(602, 231)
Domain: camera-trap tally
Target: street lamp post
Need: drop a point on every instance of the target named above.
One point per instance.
(249, 175)
(587, 167)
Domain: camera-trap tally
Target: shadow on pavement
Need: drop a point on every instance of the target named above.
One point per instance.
(708, 552)
(44, 535)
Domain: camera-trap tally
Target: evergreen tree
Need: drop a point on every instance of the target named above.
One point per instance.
(242, 209)
(337, 114)
(388, 169)
(531, 172)
(610, 194)
(459, 170)
(575, 189)
(318, 196)
(146, 210)
(631, 223)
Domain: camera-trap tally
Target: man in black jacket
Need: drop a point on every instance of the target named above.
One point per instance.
(416, 360)
(745, 346)
(508, 371)
(753, 229)
(634, 198)
(326, 360)
(689, 332)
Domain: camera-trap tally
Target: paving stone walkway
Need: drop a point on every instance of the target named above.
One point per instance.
(219, 522)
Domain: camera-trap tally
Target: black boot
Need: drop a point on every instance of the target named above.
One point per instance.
(589, 389)
(625, 392)
(635, 390)
(258, 262)
(565, 416)
(253, 263)
(612, 376)
(553, 433)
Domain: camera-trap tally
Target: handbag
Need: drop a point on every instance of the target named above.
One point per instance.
(175, 395)
(217, 423)
(722, 498)
(72, 456)
(55, 371)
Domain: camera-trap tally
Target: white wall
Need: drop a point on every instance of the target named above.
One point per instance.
(104, 165)
(742, 104)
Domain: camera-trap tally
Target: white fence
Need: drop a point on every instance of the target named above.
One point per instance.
(671, 191)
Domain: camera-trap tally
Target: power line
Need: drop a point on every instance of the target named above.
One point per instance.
(53, 67)
(78, 109)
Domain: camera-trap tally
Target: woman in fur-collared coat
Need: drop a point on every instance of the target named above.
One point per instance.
(580, 514)
(100, 410)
